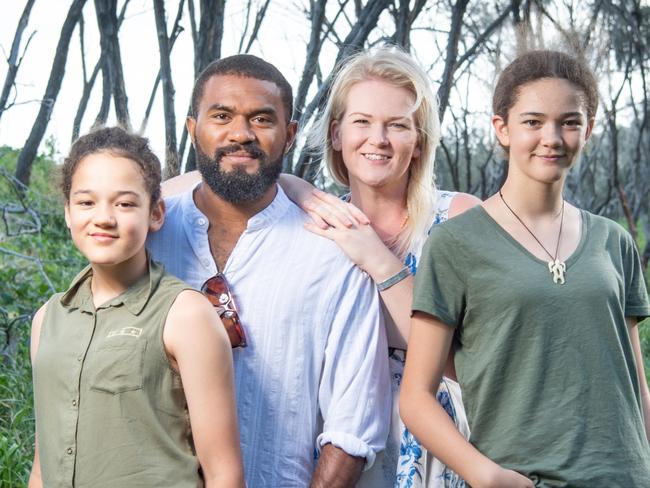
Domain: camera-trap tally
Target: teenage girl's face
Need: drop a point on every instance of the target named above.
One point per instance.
(109, 213)
(545, 130)
(376, 135)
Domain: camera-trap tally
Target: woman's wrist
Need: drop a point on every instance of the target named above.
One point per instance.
(382, 265)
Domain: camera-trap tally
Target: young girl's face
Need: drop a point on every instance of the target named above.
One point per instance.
(545, 129)
(109, 212)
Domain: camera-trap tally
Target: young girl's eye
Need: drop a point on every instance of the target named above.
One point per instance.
(532, 122)
(573, 123)
(126, 204)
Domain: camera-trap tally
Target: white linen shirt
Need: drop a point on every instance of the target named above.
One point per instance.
(317, 349)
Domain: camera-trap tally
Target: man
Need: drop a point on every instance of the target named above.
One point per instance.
(316, 346)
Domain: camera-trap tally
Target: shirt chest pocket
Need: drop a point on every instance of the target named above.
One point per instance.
(118, 367)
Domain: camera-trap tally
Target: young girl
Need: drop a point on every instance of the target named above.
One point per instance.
(132, 370)
(545, 299)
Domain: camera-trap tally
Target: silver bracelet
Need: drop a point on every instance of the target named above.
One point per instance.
(396, 278)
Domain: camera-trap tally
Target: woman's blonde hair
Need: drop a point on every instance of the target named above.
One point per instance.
(394, 66)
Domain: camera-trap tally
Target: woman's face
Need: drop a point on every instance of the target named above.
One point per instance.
(376, 135)
(545, 130)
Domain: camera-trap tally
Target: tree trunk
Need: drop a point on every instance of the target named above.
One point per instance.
(13, 61)
(111, 58)
(28, 153)
(452, 53)
(171, 152)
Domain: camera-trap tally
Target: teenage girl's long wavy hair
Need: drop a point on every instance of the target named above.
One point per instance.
(394, 66)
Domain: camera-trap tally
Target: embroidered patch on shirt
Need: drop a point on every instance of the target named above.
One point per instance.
(126, 331)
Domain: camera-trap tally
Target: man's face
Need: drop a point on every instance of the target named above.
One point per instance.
(240, 134)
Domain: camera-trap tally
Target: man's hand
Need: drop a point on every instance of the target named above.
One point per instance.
(336, 469)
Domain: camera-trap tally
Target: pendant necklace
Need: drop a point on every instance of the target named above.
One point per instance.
(556, 267)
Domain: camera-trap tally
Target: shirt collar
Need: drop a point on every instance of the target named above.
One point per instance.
(79, 295)
(266, 217)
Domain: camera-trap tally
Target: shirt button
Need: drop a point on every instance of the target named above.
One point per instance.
(74, 403)
(200, 221)
(69, 450)
(206, 263)
(79, 358)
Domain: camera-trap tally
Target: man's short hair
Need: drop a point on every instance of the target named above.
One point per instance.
(248, 66)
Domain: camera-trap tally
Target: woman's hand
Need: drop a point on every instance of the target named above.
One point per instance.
(346, 225)
(330, 211)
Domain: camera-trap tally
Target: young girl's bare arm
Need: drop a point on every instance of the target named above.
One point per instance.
(198, 346)
(35, 480)
(428, 347)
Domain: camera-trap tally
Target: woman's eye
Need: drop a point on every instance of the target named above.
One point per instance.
(360, 121)
(399, 125)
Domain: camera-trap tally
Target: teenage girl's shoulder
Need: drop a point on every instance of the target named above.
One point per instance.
(606, 226)
(37, 323)
(461, 202)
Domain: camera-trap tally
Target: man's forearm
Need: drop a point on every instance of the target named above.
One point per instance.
(336, 469)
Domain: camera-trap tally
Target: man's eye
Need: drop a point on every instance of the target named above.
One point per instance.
(220, 116)
(262, 120)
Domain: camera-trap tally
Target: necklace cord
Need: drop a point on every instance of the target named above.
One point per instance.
(559, 235)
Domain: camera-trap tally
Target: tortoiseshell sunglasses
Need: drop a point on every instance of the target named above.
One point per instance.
(217, 291)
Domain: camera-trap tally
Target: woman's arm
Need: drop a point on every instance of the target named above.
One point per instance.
(428, 347)
(633, 328)
(198, 347)
(35, 480)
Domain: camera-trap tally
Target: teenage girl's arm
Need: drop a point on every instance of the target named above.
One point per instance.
(198, 348)
(633, 327)
(428, 347)
(35, 480)
(346, 225)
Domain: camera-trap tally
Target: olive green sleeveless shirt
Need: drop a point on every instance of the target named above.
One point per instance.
(110, 411)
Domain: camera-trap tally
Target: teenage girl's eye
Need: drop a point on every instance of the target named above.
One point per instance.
(84, 203)
(532, 122)
(573, 123)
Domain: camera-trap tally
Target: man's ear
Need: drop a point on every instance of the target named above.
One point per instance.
(501, 130)
(335, 135)
(190, 123)
(157, 217)
(292, 130)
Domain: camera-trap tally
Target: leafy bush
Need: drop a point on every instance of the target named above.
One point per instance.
(37, 259)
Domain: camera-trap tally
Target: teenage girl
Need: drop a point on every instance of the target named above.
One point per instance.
(133, 379)
(545, 299)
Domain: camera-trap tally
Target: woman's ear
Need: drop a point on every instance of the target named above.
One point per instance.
(66, 213)
(501, 130)
(335, 134)
(157, 217)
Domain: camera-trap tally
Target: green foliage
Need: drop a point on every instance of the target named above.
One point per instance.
(36, 259)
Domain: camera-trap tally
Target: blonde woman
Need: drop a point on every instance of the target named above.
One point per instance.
(378, 134)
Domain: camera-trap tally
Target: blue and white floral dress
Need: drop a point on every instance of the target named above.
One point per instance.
(405, 463)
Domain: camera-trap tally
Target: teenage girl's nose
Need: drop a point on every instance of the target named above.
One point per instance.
(103, 216)
(240, 130)
(552, 134)
(378, 135)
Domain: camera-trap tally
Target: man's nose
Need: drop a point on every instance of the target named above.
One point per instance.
(241, 131)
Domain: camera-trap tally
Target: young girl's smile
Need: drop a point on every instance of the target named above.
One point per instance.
(545, 130)
(109, 212)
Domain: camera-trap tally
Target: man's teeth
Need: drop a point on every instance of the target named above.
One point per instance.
(375, 157)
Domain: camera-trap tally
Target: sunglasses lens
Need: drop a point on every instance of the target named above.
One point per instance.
(217, 292)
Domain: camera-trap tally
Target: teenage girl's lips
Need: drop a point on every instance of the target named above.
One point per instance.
(551, 158)
(103, 236)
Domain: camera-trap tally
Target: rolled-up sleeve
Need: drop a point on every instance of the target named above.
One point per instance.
(354, 391)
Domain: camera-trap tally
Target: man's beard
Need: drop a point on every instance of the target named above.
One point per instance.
(238, 186)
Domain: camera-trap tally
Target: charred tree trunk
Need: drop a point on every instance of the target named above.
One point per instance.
(452, 54)
(111, 58)
(28, 153)
(171, 152)
(207, 47)
(13, 60)
(90, 83)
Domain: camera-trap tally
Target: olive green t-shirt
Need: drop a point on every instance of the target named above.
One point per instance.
(547, 370)
(110, 411)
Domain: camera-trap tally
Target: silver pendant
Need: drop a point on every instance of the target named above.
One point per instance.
(557, 269)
